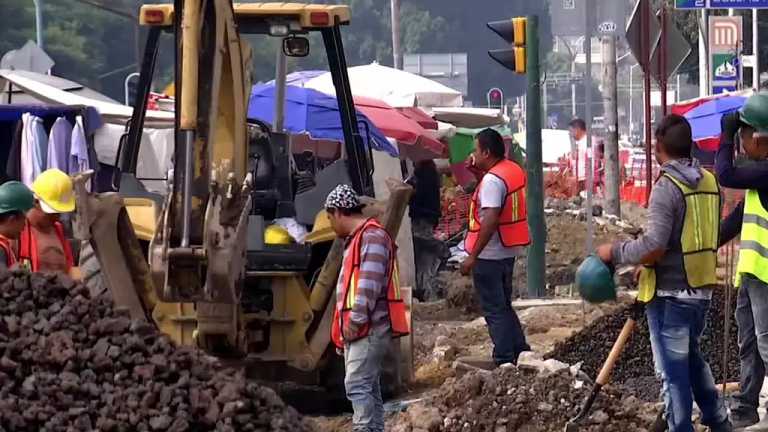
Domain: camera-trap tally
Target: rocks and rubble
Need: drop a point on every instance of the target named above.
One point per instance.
(594, 342)
(512, 399)
(69, 362)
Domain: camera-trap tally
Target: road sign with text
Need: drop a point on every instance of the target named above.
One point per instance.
(725, 42)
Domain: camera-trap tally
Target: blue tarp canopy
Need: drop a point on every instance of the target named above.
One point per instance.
(705, 118)
(312, 112)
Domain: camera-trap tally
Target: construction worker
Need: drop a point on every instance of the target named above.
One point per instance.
(15, 200)
(678, 252)
(498, 232)
(369, 310)
(43, 247)
(751, 219)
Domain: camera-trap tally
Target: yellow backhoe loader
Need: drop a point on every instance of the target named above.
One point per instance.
(205, 261)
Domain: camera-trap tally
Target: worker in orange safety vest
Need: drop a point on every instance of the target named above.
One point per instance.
(369, 309)
(15, 200)
(498, 233)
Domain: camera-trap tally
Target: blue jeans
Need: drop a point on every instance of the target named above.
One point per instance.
(676, 326)
(362, 363)
(752, 319)
(493, 284)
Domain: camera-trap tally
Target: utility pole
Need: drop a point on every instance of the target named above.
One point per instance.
(610, 96)
(703, 55)
(535, 193)
(39, 23)
(396, 51)
(755, 51)
(588, 100)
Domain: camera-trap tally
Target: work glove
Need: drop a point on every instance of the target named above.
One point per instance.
(730, 124)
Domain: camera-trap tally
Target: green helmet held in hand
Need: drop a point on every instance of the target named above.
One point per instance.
(594, 280)
(15, 197)
(755, 112)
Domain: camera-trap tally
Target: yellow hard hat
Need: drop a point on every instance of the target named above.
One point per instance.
(53, 188)
(277, 235)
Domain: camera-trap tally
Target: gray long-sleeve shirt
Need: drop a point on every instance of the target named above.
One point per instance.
(663, 230)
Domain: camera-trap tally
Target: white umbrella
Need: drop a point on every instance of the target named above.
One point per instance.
(395, 87)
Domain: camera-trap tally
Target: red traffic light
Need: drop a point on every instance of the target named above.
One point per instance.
(495, 97)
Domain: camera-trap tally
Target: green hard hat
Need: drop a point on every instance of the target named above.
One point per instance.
(594, 280)
(15, 197)
(755, 112)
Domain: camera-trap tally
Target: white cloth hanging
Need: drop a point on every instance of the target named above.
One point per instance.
(59, 145)
(34, 148)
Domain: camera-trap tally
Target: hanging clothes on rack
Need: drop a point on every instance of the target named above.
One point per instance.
(13, 166)
(60, 144)
(34, 148)
(79, 158)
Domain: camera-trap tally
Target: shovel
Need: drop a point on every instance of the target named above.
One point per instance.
(605, 371)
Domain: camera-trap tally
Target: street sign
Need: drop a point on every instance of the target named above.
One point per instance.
(725, 41)
(678, 49)
(636, 37)
(721, 4)
(738, 4)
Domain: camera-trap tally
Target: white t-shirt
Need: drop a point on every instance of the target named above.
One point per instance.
(581, 146)
(491, 195)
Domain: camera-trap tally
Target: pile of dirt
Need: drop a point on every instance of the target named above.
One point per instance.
(69, 362)
(511, 399)
(592, 345)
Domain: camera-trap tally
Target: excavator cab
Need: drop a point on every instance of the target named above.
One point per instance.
(205, 261)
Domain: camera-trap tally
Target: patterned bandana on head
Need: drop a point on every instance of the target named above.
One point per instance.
(343, 197)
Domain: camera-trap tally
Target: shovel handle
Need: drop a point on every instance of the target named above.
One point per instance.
(618, 346)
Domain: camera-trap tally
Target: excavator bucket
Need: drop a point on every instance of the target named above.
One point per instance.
(103, 220)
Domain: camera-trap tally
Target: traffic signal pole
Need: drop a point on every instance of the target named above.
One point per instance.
(535, 191)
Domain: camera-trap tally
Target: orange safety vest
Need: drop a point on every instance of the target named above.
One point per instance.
(350, 275)
(28, 254)
(10, 256)
(513, 222)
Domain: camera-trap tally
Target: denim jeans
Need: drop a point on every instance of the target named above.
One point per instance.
(362, 363)
(752, 319)
(493, 284)
(676, 326)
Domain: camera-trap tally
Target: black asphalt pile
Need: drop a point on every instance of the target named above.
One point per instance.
(68, 362)
(592, 345)
(509, 399)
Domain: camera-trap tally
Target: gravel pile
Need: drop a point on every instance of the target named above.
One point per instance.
(518, 400)
(592, 345)
(68, 362)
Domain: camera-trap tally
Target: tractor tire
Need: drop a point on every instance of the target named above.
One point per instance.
(91, 270)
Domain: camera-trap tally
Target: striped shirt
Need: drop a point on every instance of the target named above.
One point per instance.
(371, 301)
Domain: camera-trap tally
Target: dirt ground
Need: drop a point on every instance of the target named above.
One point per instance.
(453, 327)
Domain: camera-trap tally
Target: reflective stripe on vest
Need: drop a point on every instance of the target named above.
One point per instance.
(350, 276)
(10, 256)
(513, 223)
(701, 226)
(753, 250)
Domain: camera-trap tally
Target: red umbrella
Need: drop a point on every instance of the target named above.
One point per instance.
(419, 117)
(418, 143)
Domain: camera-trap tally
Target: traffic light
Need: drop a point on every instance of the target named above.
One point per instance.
(495, 98)
(513, 31)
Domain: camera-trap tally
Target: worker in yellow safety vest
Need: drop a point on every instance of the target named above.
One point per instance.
(678, 251)
(751, 219)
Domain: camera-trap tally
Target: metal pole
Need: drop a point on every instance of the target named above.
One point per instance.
(281, 71)
(39, 23)
(610, 101)
(589, 156)
(646, 50)
(703, 56)
(755, 51)
(573, 87)
(128, 80)
(663, 59)
(535, 201)
(631, 91)
(544, 103)
(396, 50)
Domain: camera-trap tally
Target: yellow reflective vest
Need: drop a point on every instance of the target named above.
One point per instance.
(699, 238)
(753, 251)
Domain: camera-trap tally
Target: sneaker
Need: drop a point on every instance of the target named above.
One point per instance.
(744, 418)
(761, 426)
